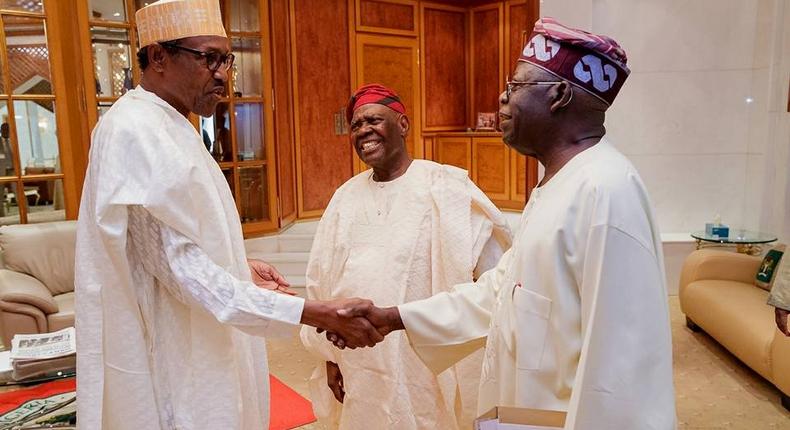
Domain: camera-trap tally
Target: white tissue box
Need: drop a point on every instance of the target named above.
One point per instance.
(508, 418)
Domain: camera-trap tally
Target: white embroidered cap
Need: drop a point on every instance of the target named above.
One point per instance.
(175, 19)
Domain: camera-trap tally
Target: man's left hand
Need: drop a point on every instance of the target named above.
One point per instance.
(781, 320)
(266, 276)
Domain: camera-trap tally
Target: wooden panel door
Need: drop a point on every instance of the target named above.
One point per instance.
(491, 167)
(283, 111)
(320, 58)
(456, 151)
(393, 62)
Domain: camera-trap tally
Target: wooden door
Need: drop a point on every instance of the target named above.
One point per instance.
(393, 62)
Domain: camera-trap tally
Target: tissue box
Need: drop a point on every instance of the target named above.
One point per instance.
(509, 418)
(717, 230)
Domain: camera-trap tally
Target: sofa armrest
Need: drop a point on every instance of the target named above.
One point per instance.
(719, 265)
(18, 288)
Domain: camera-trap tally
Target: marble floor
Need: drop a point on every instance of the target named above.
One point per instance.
(714, 390)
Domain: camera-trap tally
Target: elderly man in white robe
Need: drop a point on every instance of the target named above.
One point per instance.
(169, 322)
(574, 317)
(402, 231)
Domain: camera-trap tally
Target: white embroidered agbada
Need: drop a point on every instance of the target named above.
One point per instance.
(165, 310)
(575, 314)
(394, 242)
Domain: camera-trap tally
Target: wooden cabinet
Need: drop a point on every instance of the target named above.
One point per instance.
(503, 174)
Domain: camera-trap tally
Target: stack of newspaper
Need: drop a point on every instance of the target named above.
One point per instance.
(43, 354)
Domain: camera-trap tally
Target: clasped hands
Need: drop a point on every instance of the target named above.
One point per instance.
(352, 323)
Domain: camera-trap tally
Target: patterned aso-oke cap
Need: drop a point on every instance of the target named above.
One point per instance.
(374, 93)
(595, 63)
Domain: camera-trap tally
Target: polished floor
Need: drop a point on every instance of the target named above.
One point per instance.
(714, 390)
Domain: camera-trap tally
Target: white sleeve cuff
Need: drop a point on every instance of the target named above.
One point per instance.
(287, 309)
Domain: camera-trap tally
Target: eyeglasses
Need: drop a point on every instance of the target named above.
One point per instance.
(510, 85)
(214, 60)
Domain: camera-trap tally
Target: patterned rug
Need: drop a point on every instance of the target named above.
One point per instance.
(54, 404)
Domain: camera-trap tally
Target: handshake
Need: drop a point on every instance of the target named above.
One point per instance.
(351, 323)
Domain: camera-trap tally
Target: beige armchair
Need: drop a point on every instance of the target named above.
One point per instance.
(37, 278)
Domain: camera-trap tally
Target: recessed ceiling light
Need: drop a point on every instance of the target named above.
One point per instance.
(116, 14)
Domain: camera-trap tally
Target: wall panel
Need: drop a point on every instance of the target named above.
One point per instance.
(456, 151)
(444, 60)
(487, 57)
(321, 89)
(387, 16)
(491, 167)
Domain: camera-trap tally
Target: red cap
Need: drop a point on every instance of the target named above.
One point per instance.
(374, 93)
(595, 63)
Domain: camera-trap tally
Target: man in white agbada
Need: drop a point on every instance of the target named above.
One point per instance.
(402, 231)
(169, 323)
(574, 317)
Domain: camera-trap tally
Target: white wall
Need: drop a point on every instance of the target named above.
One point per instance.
(703, 114)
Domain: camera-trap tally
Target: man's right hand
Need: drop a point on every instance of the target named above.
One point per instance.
(385, 320)
(334, 379)
(356, 331)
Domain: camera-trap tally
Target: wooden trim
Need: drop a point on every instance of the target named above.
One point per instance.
(42, 177)
(20, 191)
(300, 211)
(391, 31)
(126, 25)
(268, 103)
(357, 165)
(443, 128)
(470, 72)
(31, 97)
(21, 14)
(249, 34)
(131, 18)
(90, 101)
(283, 221)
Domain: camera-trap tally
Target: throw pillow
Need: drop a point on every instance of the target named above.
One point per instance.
(765, 273)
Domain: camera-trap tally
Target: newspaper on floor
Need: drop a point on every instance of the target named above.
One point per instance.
(43, 346)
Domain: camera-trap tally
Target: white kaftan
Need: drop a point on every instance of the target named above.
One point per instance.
(165, 310)
(394, 242)
(575, 314)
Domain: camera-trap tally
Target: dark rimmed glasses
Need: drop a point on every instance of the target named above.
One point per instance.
(510, 85)
(214, 60)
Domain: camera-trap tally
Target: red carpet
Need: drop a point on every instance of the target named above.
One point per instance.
(288, 409)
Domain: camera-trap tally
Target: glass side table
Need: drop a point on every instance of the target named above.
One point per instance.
(745, 242)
